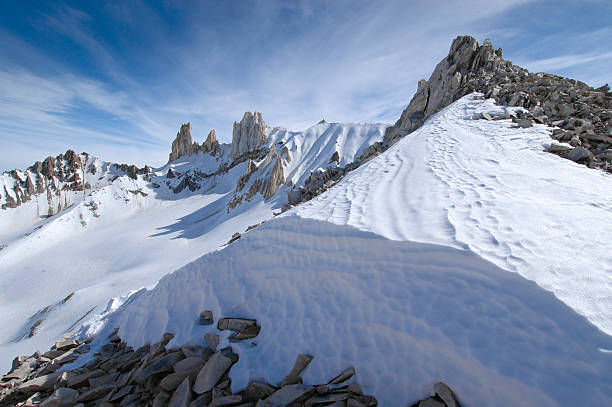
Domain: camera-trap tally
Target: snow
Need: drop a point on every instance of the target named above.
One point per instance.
(491, 188)
(404, 314)
(126, 234)
(465, 253)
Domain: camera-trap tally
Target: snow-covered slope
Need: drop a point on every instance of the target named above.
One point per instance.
(343, 277)
(123, 233)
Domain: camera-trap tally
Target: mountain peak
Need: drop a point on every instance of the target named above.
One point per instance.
(183, 143)
(249, 134)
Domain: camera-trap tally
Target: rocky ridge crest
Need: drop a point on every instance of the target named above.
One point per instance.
(580, 115)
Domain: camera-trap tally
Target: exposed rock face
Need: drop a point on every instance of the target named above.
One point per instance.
(210, 145)
(248, 135)
(183, 143)
(584, 114)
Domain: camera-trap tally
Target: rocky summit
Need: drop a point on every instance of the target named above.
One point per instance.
(248, 135)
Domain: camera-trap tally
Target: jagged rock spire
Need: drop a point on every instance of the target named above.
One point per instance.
(446, 84)
(249, 134)
(183, 143)
(210, 145)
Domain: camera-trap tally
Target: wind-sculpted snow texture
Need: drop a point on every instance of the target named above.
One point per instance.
(489, 187)
(404, 314)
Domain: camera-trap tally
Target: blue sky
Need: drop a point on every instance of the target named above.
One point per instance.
(117, 78)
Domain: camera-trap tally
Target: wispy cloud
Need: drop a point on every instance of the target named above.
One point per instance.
(118, 79)
(564, 61)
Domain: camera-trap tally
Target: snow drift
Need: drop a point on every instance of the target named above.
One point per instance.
(464, 253)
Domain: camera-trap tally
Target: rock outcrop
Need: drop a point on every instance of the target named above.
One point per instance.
(183, 144)
(210, 145)
(583, 114)
(248, 135)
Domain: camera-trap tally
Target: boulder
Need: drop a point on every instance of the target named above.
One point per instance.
(206, 318)
(182, 395)
(212, 372)
(96, 393)
(559, 147)
(235, 324)
(578, 153)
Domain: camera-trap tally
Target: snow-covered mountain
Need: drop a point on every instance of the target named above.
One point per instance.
(122, 230)
(450, 246)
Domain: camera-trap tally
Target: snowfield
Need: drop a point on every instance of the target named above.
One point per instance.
(127, 234)
(465, 253)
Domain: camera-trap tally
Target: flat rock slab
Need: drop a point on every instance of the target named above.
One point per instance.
(40, 383)
(66, 344)
(285, 395)
(344, 376)
(235, 324)
(212, 371)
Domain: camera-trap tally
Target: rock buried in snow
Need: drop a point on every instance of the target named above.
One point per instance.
(212, 372)
(235, 324)
(206, 318)
(301, 363)
(446, 394)
(524, 123)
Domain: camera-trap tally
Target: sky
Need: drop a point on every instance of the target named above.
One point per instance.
(116, 78)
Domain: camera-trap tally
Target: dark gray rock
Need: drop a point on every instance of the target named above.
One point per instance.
(211, 372)
(206, 318)
(301, 363)
(182, 395)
